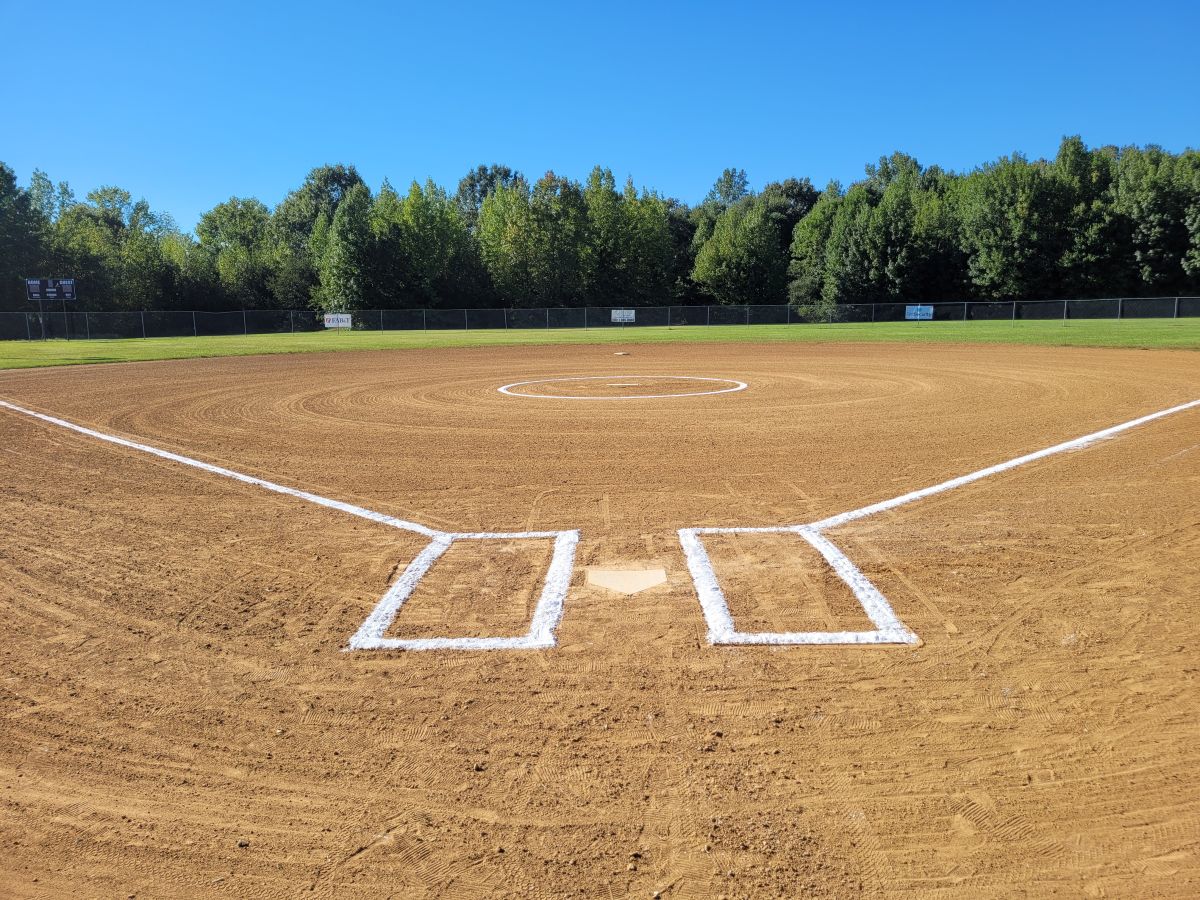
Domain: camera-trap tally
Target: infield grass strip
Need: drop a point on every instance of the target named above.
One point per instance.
(1180, 334)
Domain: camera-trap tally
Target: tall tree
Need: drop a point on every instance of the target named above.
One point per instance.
(810, 239)
(23, 231)
(741, 262)
(1154, 201)
(295, 279)
(477, 185)
(237, 235)
(606, 250)
(420, 240)
(1013, 212)
(344, 264)
(729, 188)
(504, 241)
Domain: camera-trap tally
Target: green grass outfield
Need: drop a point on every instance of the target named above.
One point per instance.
(1135, 333)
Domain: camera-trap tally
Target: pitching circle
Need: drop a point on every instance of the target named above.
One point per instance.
(733, 387)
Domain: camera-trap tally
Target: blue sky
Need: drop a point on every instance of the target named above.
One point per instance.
(187, 104)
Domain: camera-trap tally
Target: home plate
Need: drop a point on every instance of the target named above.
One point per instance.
(626, 581)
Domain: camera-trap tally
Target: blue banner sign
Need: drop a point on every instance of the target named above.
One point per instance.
(920, 313)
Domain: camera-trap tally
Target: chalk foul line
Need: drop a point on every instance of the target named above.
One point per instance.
(370, 636)
(888, 627)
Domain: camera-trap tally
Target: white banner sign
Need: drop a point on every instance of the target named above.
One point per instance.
(337, 320)
(624, 316)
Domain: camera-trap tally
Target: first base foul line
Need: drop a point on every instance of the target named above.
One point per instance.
(888, 627)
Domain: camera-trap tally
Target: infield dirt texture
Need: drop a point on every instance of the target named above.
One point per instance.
(179, 717)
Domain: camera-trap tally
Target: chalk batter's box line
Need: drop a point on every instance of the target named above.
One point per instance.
(546, 614)
(370, 636)
(721, 629)
(888, 627)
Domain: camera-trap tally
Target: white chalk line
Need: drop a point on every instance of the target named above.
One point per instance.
(370, 636)
(888, 627)
(1075, 444)
(737, 386)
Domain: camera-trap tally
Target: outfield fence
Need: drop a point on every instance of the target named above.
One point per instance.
(69, 324)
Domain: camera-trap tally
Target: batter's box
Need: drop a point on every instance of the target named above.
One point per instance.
(721, 628)
(546, 613)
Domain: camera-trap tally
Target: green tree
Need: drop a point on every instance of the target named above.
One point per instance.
(731, 187)
(741, 262)
(344, 264)
(295, 280)
(557, 233)
(421, 241)
(1012, 218)
(505, 246)
(806, 267)
(606, 251)
(1152, 196)
(237, 235)
(477, 185)
(23, 231)
(651, 249)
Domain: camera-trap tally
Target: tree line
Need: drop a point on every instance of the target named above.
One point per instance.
(1092, 222)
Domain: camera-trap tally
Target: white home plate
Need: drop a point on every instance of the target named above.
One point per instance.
(626, 581)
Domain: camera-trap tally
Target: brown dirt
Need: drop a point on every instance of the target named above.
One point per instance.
(177, 718)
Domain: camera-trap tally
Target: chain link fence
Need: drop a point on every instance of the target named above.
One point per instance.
(69, 324)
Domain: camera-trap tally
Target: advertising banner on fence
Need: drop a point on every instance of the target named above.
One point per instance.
(338, 320)
(919, 313)
(624, 316)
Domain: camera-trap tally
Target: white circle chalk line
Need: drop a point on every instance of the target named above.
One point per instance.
(737, 386)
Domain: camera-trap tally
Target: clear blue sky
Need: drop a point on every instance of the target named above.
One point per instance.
(187, 104)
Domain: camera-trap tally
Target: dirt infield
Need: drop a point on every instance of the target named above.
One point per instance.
(178, 717)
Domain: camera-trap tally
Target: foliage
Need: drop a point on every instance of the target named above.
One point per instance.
(1101, 221)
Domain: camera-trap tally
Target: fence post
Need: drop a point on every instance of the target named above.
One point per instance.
(66, 321)
(381, 321)
(585, 309)
(1176, 315)
(547, 318)
(195, 333)
(87, 326)
(466, 323)
(872, 313)
(1064, 314)
(291, 321)
(789, 314)
(708, 315)
(245, 327)
(747, 313)
(1014, 314)
(505, 311)
(143, 324)
(1120, 308)
(424, 320)
(28, 330)
(964, 310)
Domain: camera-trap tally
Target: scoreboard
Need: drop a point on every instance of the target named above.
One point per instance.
(50, 288)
